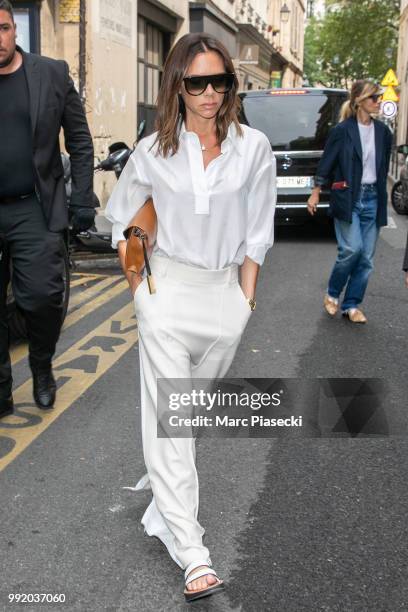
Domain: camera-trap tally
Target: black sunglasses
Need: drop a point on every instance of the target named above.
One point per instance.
(221, 83)
(375, 97)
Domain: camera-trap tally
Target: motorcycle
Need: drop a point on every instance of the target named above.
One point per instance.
(98, 239)
(399, 192)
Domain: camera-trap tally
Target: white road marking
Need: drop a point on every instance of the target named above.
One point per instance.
(391, 224)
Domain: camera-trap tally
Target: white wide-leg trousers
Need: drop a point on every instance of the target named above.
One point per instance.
(189, 328)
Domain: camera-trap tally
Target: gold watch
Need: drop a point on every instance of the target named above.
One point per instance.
(252, 303)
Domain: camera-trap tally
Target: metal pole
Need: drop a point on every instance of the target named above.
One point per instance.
(82, 50)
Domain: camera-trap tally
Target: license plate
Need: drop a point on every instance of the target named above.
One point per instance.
(295, 181)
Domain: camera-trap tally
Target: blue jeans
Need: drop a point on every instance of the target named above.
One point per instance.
(356, 242)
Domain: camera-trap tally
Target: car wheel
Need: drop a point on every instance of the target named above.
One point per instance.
(399, 203)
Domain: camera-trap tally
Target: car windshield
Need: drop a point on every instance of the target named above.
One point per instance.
(293, 122)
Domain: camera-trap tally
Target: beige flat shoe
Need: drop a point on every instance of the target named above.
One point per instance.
(331, 305)
(355, 315)
(209, 590)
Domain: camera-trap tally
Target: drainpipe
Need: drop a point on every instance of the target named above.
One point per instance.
(82, 50)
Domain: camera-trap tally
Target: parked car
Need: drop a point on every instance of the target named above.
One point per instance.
(399, 192)
(297, 123)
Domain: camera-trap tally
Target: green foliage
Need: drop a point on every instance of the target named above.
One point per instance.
(356, 39)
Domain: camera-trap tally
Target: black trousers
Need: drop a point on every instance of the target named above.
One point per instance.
(36, 272)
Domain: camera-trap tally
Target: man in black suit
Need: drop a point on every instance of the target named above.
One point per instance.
(37, 98)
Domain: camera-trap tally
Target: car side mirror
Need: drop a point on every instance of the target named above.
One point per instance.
(403, 149)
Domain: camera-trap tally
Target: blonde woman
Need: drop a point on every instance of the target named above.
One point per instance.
(214, 189)
(355, 164)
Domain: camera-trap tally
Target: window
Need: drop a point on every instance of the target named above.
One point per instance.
(27, 18)
(151, 43)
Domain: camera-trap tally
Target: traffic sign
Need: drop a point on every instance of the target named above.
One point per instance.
(390, 94)
(389, 108)
(389, 82)
(390, 79)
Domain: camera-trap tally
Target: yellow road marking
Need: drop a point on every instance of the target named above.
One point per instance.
(85, 278)
(78, 369)
(73, 273)
(21, 350)
(91, 306)
(18, 353)
(86, 294)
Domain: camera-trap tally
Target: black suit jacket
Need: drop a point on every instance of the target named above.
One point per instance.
(54, 103)
(342, 161)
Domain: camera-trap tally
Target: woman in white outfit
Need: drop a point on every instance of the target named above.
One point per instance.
(213, 183)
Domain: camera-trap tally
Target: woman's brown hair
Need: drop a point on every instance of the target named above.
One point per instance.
(360, 90)
(170, 105)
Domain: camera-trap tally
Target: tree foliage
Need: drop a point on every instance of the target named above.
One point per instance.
(355, 39)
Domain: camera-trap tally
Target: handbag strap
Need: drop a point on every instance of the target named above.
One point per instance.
(147, 264)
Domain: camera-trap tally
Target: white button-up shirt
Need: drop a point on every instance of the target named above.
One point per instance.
(210, 217)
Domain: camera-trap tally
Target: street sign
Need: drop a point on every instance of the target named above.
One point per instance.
(390, 95)
(249, 54)
(390, 79)
(389, 109)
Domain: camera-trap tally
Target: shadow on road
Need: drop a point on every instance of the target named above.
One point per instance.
(311, 230)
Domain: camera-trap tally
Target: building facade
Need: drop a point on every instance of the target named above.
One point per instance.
(287, 20)
(402, 73)
(253, 58)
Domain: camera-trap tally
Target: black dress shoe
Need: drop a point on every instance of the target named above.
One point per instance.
(44, 389)
(6, 406)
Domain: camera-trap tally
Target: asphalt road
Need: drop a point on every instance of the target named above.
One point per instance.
(315, 523)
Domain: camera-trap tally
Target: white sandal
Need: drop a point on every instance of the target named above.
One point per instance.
(209, 590)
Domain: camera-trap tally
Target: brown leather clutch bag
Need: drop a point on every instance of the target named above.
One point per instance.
(140, 238)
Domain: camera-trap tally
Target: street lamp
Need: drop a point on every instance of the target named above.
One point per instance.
(284, 13)
(284, 17)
